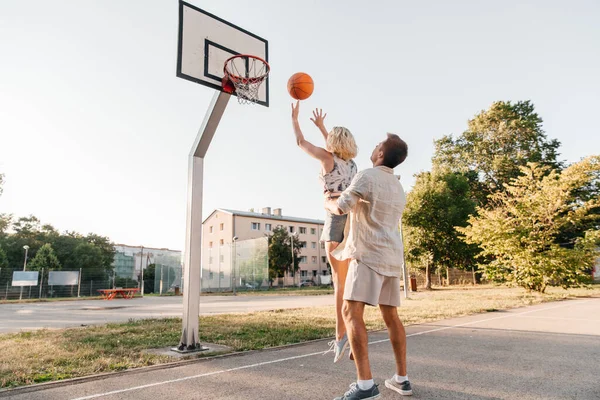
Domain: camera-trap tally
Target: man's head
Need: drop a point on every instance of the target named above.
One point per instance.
(390, 153)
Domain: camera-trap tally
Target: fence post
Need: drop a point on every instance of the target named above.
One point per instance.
(41, 283)
(79, 284)
(91, 288)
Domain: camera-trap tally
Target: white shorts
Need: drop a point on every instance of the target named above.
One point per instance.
(367, 286)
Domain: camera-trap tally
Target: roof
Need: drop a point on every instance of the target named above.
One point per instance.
(267, 216)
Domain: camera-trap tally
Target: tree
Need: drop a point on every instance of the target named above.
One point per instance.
(436, 205)
(520, 229)
(45, 259)
(280, 253)
(495, 145)
(5, 271)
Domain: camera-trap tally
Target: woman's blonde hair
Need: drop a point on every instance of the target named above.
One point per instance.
(341, 143)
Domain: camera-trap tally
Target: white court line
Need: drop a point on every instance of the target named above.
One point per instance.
(95, 396)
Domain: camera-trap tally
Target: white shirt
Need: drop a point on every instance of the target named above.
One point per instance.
(374, 201)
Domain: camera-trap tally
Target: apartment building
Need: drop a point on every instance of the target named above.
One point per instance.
(223, 225)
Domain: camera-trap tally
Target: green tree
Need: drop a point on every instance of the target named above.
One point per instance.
(45, 259)
(280, 253)
(5, 271)
(520, 229)
(497, 142)
(436, 205)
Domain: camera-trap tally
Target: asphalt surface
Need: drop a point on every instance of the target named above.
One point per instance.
(549, 351)
(18, 317)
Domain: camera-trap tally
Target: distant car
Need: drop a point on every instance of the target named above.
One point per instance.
(306, 283)
(250, 285)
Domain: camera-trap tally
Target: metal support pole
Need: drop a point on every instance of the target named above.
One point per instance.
(404, 269)
(79, 284)
(193, 244)
(41, 283)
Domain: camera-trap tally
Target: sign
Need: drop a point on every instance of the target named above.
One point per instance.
(63, 278)
(25, 278)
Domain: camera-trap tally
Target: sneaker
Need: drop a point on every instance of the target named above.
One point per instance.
(403, 388)
(338, 347)
(356, 394)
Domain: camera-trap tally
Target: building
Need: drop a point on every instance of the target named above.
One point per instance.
(222, 225)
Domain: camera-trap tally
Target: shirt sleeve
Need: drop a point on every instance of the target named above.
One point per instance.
(358, 189)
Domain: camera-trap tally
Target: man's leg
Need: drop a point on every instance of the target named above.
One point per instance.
(353, 312)
(397, 336)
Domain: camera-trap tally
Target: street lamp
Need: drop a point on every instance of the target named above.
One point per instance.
(234, 256)
(25, 263)
(24, 268)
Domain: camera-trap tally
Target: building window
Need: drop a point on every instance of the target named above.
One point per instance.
(221, 258)
(314, 272)
(210, 245)
(210, 229)
(302, 230)
(303, 260)
(313, 231)
(256, 226)
(291, 229)
(222, 275)
(314, 245)
(303, 245)
(314, 259)
(268, 227)
(222, 226)
(304, 274)
(210, 275)
(221, 242)
(322, 245)
(323, 259)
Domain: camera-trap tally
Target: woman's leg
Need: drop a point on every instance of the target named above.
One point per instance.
(339, 270)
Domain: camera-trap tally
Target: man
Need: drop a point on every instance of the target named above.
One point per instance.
(374, 201)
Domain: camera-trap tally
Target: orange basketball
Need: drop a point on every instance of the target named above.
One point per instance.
(300, 86)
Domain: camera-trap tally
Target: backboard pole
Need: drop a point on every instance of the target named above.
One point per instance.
(404, 268)
(193, 239)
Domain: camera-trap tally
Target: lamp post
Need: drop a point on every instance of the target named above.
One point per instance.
(233, 258)
(24, 269)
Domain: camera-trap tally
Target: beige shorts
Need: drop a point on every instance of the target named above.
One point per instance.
(367, 286)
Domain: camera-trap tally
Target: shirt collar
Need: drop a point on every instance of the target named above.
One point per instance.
(385, 169)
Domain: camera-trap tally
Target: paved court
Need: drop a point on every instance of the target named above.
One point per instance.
(548, 351)
(63, 314)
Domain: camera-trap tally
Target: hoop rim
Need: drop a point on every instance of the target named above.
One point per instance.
(237, 79)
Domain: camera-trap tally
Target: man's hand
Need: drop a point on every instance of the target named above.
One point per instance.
(331, 205)
(319, 118)
(295, 110)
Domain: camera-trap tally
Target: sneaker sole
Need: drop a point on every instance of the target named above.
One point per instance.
(346, 345)
(398, 390)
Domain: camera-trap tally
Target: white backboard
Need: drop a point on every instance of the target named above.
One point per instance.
(63, 278)
(25, 278)
(207, 41)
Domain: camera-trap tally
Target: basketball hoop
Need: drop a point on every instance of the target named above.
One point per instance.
(245, 84)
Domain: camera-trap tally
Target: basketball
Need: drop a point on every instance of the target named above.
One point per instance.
(300, 86)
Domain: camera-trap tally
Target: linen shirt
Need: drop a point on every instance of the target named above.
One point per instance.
(374, 202)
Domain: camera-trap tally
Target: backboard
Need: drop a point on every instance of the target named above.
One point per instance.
(207, 41)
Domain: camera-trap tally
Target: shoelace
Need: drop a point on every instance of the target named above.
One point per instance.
(353, 388)
(331, 345)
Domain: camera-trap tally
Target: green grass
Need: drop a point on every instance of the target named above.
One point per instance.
(47, 355)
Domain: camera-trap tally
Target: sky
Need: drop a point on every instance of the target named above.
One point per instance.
(95, 127)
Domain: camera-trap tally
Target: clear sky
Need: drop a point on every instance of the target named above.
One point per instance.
(95, 128)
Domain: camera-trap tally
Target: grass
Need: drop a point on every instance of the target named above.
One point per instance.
(47, 355)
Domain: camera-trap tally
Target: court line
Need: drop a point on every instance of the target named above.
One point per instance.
(95, 396)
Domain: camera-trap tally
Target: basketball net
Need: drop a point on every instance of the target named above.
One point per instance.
(245, 84)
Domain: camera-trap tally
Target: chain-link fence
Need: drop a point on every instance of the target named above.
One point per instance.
(242, 264)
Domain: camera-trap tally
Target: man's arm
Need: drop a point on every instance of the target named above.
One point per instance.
(358, 190)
